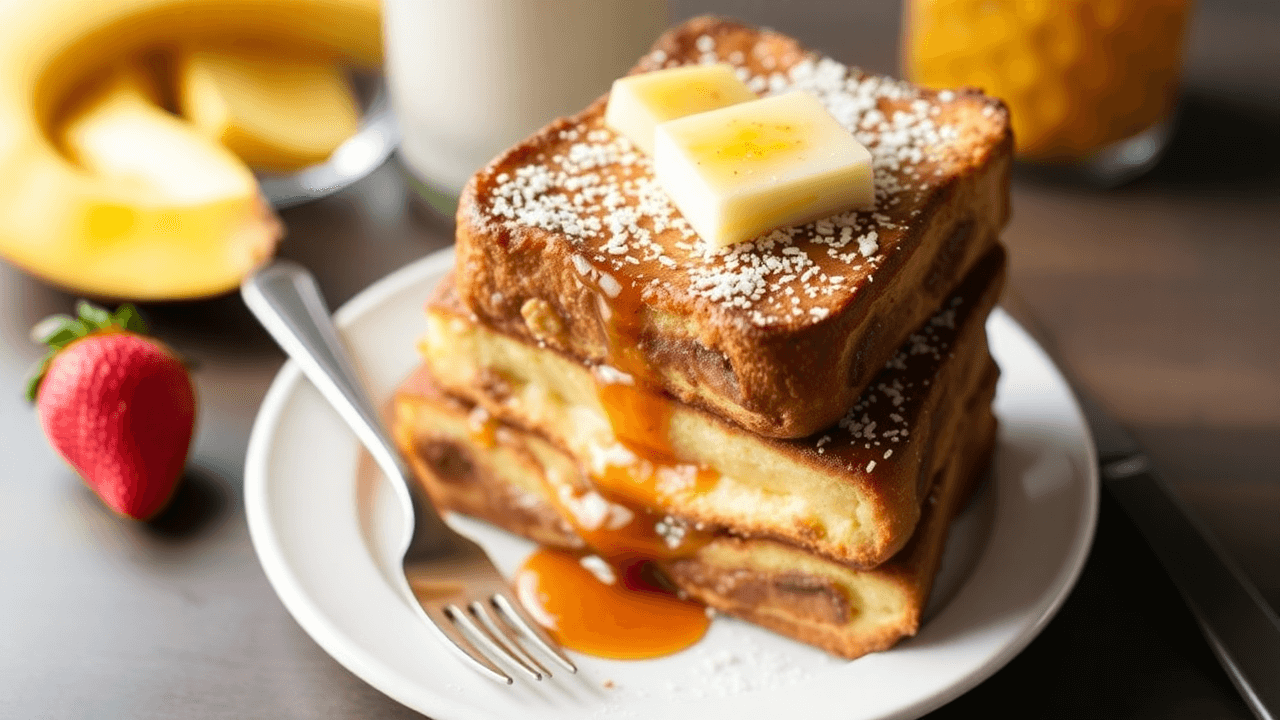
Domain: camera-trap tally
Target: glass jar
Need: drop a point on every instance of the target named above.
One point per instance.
(1089, 83)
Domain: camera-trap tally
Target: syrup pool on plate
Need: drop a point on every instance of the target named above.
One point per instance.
(617, 611)
(620, 608)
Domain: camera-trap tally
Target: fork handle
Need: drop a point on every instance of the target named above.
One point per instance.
(285, 298)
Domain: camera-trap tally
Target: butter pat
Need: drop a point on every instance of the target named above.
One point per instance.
(739, 171)
(637, 103)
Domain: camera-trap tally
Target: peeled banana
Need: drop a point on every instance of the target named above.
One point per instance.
(249, 100)
(100, 214)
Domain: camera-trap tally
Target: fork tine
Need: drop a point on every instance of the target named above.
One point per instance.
(504, 635)
(459, 643)
(495, 648)
(515, 615)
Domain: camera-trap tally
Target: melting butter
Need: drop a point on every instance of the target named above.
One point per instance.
(739, 171)
(637, 103)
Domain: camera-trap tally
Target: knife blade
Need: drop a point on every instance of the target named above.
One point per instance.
(1242, 629)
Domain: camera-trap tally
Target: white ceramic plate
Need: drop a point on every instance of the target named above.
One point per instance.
(326, 529)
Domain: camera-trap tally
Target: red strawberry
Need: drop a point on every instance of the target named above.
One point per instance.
(117, 406)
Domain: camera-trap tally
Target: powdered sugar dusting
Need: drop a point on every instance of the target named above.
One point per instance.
(879, 418)
(735, 659)
(594, 189)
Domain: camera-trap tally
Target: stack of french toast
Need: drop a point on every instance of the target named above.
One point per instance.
(784, 427)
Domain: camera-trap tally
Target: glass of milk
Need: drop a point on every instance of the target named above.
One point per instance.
(469, 78)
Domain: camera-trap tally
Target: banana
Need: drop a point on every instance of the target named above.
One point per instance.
(110, 224)
(250, 100)
(195, 215)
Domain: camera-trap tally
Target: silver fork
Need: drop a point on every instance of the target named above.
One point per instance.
(449, 579)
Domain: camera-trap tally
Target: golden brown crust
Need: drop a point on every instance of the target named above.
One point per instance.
(428, 430)
(852, 492)
(841, 609)
(813, 613)
(779, 336)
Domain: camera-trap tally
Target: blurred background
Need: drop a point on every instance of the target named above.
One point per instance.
(1159, 294)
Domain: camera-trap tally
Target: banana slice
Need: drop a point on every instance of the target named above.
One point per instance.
(123, 135)
(180, 210)
(276, 112)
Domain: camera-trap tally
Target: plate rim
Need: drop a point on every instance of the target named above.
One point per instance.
(327, 633)
(262, 535)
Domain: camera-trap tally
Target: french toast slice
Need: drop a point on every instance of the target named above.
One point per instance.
(567, 240)
(510, 477)
(852, 492)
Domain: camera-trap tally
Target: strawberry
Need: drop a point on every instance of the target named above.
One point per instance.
(116, 405)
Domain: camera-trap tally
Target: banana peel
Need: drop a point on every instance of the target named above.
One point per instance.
(92, 218)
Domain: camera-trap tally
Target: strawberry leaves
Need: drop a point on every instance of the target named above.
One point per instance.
(59, 331)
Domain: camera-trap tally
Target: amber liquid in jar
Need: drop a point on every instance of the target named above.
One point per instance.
(1078, 76)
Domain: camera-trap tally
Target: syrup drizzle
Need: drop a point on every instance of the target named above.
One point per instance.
(640, 419)
(631, 613)
(482, 428)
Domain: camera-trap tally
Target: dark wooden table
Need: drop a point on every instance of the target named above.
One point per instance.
(1162, 297)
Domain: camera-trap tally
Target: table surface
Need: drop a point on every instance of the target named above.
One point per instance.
(1162, 297)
